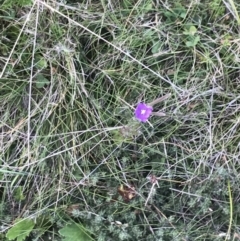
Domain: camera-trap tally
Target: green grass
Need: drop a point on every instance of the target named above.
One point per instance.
(72, 73)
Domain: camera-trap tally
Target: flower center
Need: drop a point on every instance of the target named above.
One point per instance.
(143, 112)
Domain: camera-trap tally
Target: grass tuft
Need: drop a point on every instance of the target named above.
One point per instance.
(73, 156)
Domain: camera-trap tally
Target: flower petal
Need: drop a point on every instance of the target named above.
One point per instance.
(143, 112)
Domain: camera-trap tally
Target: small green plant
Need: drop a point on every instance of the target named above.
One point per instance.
(176, 14)
(21, 229)
(74, 232)
(18, 194)
(192, 37)
(41, 81)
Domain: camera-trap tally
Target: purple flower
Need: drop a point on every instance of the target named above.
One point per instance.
(143, 111)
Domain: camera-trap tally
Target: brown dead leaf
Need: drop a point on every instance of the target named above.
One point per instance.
(70, 209)
(127, 193)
